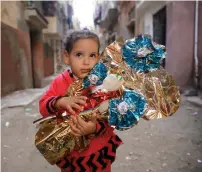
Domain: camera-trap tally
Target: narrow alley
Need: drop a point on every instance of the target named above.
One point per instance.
(173, 144)
(33, 37)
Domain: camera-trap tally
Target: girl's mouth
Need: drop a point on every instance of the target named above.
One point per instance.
(85, 70)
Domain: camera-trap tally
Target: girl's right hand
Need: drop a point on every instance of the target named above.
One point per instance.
(71, 103)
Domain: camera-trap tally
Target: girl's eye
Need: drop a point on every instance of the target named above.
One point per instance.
(79, 54)
(93, 55)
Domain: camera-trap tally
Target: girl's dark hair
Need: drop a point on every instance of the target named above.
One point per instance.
(77, 35)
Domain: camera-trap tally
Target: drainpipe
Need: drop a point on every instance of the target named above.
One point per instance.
(196, 47)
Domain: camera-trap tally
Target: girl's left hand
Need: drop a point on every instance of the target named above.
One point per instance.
(81, 128)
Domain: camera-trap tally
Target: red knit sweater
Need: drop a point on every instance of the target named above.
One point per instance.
(102, 149)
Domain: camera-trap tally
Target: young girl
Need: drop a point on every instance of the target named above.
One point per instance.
(82, 53)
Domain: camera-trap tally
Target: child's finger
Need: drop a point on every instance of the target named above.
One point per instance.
(81, 122)
(76, 106)
(94, 116)
(74, 120)
(75, 129)
(82, 97)
(75, 134)
(70, 110)
(81, 128)
(80, 101)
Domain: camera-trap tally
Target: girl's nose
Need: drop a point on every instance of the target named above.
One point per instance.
(86, 61)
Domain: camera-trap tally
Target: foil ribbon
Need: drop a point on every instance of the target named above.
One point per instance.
(98, 97)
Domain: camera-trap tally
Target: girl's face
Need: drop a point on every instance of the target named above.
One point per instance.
(83, 57)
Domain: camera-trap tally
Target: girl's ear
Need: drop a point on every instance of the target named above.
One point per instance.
(66, 57)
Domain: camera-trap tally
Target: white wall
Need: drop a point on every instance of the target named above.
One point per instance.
(145, 15)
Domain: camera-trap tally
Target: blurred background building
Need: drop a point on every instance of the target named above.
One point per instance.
(33, 34)
(178, 25)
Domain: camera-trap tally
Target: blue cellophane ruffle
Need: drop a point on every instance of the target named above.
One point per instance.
(142, 54)
(136, 108)
(96, 76)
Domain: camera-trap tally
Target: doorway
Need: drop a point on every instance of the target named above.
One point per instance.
(159, 28)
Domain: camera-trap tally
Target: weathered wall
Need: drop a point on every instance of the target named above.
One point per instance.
(123, 20)
(179, 36)
(48, 60)
(180, 41)
(22, 50)
(15, 47)
(200, 43)
(37, 57)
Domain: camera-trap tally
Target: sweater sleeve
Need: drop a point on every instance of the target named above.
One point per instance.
(48, 99)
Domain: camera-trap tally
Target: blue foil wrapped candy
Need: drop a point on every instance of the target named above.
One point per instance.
(142, 54)
(96, 75)
(124, 113)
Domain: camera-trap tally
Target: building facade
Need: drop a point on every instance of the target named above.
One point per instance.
(178, 25)
(31, 43)
(115, 20)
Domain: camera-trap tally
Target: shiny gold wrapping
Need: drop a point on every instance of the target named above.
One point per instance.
(54, 140)
(163, 96)
(159, 87)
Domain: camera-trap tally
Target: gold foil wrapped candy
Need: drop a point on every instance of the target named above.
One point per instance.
(55, 141)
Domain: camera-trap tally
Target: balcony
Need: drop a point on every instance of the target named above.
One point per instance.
(55, 14)
(143, 5)
(111, 19)
(34, 17)
(55, 27)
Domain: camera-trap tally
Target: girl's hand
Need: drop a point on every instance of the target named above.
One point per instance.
(71, 103)
(81, 128)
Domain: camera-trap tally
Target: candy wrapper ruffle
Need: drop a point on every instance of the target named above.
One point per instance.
(96, 75)
(125, 112)
(142, 54)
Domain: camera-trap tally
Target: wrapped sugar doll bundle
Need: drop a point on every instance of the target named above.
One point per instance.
(126, 85)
